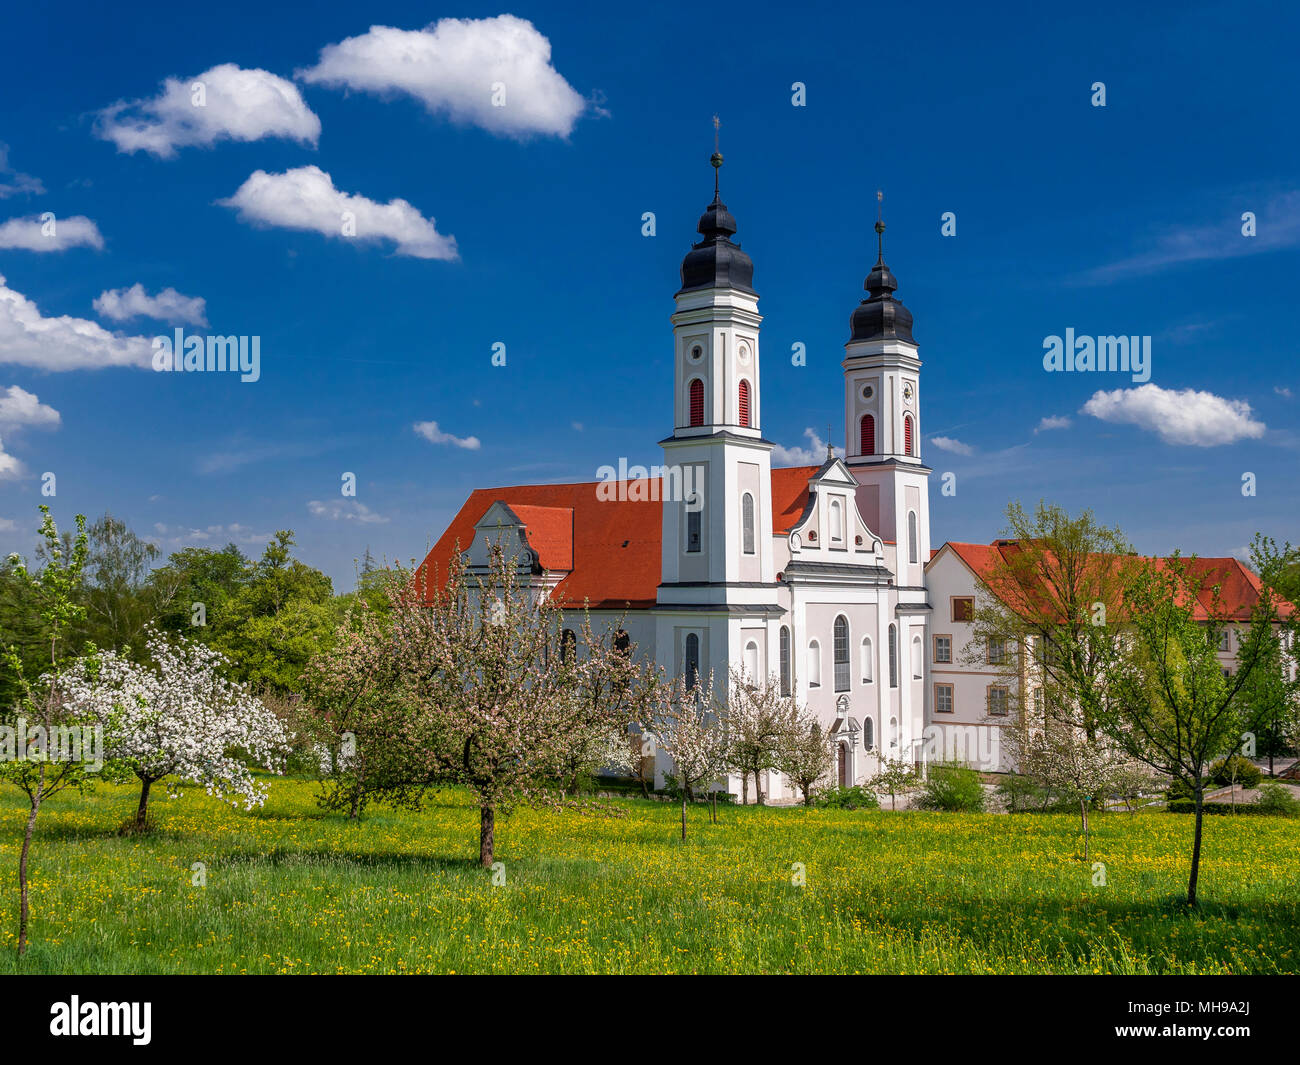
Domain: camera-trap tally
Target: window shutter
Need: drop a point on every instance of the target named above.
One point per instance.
(697, 402)
(744, 404)
(867, 444)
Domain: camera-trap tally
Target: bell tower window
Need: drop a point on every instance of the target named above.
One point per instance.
(908, 440)
(697, 402)
(867, 438)
(742, 405)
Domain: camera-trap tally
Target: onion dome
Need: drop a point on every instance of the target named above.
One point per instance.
(717, 261)
(880, 316)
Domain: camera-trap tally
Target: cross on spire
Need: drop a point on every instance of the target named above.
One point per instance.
(880, 225)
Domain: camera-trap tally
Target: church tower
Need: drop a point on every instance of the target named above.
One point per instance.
(882, 420)
(717, 545)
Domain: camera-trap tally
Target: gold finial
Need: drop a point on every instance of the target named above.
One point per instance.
(830, 448)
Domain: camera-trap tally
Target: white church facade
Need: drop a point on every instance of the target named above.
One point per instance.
(818, 575)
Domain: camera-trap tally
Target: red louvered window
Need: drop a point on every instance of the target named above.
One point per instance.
(697, 402)
(868, 441)
(744, 404)
(907, 435)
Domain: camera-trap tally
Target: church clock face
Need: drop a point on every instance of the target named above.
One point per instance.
(743, 354)
(908, 390)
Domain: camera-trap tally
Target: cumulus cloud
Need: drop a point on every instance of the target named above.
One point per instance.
(456, 67)
(306, 198)
(181, 535)
(1177, 416)
(40, 233)
(15, 183)
(20, 409)
(27, 338)
(812, 455)
(952, 444)
(431, 432)
(1053, 421)
(10, 467)
(232, 104)
(345, 510)
(168, 305)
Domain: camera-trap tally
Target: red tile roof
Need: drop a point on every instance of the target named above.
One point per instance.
(610, 548)
(1238, 586)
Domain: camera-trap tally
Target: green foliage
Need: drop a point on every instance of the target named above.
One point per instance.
(1278, 800)
(1020, 794)
(848, 798)
(1237, 768)
(952, 787)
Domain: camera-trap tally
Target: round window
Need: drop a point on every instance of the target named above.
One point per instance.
(743, 353)
(868, 391)
(697, 353)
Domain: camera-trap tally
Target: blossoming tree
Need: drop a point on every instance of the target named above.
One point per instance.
(179, 719)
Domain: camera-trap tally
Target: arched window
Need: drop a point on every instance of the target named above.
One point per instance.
(785, 660)
(913, 551)
(751, 661)
(814, 664)
(743, 404)
(837, 521)
(697, 402)
(868, 666)
(917, 663)
(893, 656)
(692, 659)
(693, 524)
(841, 649)
(867, 427)
(747, 523)
(622, 642)
(868, 733)
(568, 644)
(907, 435)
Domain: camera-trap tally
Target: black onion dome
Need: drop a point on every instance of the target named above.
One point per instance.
(880, 316)
(716, 261)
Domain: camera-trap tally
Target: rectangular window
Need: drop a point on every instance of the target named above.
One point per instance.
(943, 648)
(693, 532)
(943, 698)
(997, 700)
(1225, 640)
(963, 608)
(997, 652)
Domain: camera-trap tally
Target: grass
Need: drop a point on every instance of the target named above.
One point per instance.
(290, 889)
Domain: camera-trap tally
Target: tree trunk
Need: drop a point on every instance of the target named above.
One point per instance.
(758, 787)
(142, 810)
(487, 816)
(355, 810)
(1196, 850)
(22, 867)
(1083, 813)
(683, 815)
(744, 789)
(714, 802)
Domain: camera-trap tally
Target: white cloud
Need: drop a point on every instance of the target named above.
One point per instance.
(179, 535)
(168, 305)
(577, 426)
(8, 525)
(64, 343)
(812, 455)
(14, 183)
(1177, 416)
(1282, 391)
(1053, 421)
(237, 105)
(951, 444)
(20, 409)
(10, 467)
(431, 432)
(452, 66)
(55, 234)
(1278, 227)
(347, 510)
(305, 198)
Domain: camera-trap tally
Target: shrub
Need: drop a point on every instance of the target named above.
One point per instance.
(854, 798)
(952, 787)
(1020, 794)
(1276, 799)
(1248, 774)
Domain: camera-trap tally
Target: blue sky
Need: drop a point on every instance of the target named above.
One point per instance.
(521, 225)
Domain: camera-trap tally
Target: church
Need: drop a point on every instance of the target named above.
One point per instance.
(820, 576)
